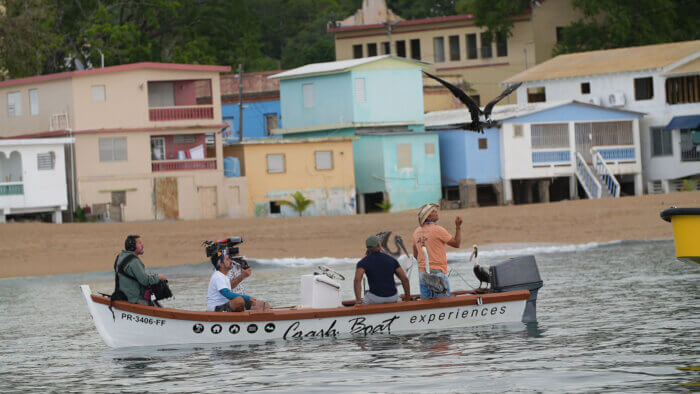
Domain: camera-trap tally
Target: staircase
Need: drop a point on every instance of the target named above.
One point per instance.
(597, 180)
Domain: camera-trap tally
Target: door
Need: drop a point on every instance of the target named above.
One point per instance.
(583, 140)
(207, 197)
(116, 208)
(165, 198)
(158, 148)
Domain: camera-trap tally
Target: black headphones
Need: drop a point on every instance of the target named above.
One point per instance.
(130, 243)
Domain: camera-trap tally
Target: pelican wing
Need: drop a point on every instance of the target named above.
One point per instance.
(509, 90)
(473, 107)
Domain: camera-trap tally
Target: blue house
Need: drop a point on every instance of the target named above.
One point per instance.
(542, 152)
(380, 100)
(261, 105)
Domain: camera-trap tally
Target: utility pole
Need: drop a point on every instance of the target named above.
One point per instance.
(240, 101)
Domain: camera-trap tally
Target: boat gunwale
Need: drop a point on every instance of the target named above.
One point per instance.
(308, 313)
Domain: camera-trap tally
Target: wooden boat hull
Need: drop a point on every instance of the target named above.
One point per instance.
(686, 232)
(138, 325)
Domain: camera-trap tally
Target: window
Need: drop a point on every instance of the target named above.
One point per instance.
(386, 48)
(270, 123)
(184, 139)
(471, 46)
(536, 95)
(324, 160)
(553, 135)
(46, 161)
(360, 96)
(430, 149)
(486, 45)
(112, 149)
(454, 48)
(560, 33)
(275, 163)
(372, 49)
(517, 131)
(275, 207)
(683, 90)
(403, 156)
(401, 48)
(643, 88)
(227, 132)
(661, 142)
(483, 144)
(357, 51)
(34, 101)
(439, 49)
(585, 88)
(14, 104)
(308, 92)
(415, 49)
(501, 45)
(98, 93)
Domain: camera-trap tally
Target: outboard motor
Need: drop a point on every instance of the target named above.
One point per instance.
(518, 273)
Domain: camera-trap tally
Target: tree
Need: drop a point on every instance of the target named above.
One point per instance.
(299, 202)
(495, 15)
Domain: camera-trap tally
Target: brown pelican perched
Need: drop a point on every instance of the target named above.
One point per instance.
(481, 273)
(476, 124)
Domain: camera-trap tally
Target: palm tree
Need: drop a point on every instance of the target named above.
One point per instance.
(299, 203)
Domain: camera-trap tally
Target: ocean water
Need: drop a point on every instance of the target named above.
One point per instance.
(621, 316)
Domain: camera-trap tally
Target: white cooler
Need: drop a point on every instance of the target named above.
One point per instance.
(319, 291)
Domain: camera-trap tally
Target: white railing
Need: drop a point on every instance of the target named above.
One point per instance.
(588, 180)
(606, 175)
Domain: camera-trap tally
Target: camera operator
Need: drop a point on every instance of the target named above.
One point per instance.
(220, 297)
(239, 271)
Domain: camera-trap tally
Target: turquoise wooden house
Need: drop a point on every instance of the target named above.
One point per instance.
(380, 100)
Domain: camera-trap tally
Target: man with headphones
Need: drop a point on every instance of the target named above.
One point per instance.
(132, 277)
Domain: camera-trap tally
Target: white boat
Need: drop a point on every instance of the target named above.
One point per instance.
(139, 325)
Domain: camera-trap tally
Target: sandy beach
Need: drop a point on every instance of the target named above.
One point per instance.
(82, 247)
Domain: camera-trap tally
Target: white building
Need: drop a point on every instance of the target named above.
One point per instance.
(33, 176)
(661, 81)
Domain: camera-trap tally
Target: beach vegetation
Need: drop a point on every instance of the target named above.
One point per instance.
(689, 185)
(299, 202)
(385, 205)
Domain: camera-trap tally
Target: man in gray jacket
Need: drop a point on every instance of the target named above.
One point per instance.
(132, 275)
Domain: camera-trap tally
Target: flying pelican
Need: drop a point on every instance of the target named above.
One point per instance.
(476, 124)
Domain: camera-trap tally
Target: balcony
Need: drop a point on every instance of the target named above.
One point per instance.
(180, 113)
(546, 157)
(183, 165)
(11, 189)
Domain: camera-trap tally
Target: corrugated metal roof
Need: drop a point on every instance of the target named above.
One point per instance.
(646, 57)
(502, 112)
(336, 67)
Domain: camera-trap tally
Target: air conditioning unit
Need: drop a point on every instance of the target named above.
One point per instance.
(616, 99)
(594, 100)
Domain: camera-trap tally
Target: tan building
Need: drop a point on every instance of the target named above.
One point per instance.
(146, 147)
(322, 169)
(455, 46)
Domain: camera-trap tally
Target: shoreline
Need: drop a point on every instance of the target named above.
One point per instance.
(84, 247)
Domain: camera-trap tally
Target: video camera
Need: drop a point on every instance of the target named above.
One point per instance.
(230, 245)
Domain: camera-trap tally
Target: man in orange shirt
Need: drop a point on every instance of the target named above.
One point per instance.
(434, 238)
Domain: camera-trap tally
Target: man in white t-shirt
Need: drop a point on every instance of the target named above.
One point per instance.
(220, 298)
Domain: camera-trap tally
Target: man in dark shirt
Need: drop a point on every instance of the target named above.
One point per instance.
(380, 269)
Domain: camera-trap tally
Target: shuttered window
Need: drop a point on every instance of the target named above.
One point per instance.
(112, 149)
(403, 156)
(555, 135)
(360, 95)
(46, 161)
(14, 104)
(430, 149)
(308, 92)
(275, 163)
(324, 160)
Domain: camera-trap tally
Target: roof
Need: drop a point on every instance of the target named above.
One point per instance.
(692, 67)
(608, 61)
(412, 22)
(273, 141)
(119, 68)
(338, 66)
(503, 112)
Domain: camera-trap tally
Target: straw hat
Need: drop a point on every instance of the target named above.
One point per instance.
(425, 211)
